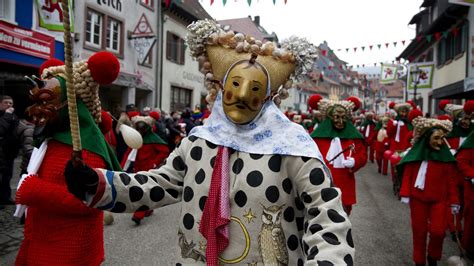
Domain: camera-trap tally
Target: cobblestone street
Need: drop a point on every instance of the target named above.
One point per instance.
(11, 233)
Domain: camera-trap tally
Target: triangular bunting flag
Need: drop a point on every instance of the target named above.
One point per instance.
(375, 64)
(379, 45)
(357, 66)
(274, 2)
(249, 2)
(285, 1)
(445, 34)
(363, 65)
(394, 44)
(339, 49)
(370, 47)
(386, 45)
(455, 32)
(347, 50)
(403, 42)
(223, 2)
(355, 49)
(363, 47)
(429, 37)
(437, 36)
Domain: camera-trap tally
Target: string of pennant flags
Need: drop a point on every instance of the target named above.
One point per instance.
(224, 2)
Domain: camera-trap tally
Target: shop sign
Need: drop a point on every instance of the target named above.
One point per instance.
(26, 41)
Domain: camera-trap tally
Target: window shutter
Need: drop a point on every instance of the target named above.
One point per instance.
(169, 39)
(182, 48)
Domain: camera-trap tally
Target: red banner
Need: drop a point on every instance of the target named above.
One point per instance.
(26, 41)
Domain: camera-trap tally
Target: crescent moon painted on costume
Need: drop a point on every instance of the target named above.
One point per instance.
(247, 244)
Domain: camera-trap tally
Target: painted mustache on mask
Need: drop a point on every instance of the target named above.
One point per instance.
(241, 105)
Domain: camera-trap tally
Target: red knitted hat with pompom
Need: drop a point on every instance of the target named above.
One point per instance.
(104, 67)
(155, 115)
(413, 105)
(132, 114)
(469, 107)
(414, 114)
(442, 104)
(356, 101)
(50, 63)
(314, 100)
(106, 123)
(444, 117)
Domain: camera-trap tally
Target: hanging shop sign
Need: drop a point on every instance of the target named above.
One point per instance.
(26, 41)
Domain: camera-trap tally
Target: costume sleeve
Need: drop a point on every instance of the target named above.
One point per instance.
(50, 197)
(6, 122)
(161, 154)
(127, 192)
(405, 190)
(391, 129)
(360, 154)
(465, 162)
(327, 229)
(453, 194)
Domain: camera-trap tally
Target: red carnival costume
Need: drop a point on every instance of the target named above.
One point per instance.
(369, 132)
(427, 187)
(153, 152)
(59, 228)
(343, 149)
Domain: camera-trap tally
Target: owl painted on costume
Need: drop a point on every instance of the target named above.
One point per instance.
(271, 240)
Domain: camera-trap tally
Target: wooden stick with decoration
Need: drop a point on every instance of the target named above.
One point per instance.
(71, 94)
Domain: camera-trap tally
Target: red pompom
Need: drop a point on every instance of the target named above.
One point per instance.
(356, 101)
(469, 107)
(132, 114)
(106, 124)
(395, 158)
(413, 105)
(414, 114)
(155, 115)
(50, 63)
(444, 117)
(387, 154)
(104, 67)
(442, 104)
(314, 100)
(391, 105)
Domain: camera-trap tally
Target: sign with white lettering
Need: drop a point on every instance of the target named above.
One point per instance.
(143, 47)
(50, 15)
(25, 41)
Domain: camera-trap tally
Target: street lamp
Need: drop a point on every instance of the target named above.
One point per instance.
(415, 77)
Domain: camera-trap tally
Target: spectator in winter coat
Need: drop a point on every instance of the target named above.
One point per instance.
(8, 147)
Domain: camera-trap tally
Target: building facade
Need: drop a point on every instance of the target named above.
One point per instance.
(182, 84)
(443, 31)
(127, 29)
(24, 46)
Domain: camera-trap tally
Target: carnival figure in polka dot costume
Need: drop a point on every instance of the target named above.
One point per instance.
(343, 147)
(252, 184)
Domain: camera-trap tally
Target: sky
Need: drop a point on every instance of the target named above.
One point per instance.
(342, 23)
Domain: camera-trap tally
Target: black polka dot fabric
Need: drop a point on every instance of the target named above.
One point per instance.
(296, 189)
(292, 242)
(196, 153)
(188, 221)
(255, 178)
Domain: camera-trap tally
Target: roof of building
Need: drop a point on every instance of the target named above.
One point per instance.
(189, 9)
(246, 26)
(395, 90)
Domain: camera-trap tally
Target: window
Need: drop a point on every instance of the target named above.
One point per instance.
(180, 98)
(147, 3)
(103, 32)
(175, 48)
(7, 10)
(113, 35)
(94, 28)
(452, 46)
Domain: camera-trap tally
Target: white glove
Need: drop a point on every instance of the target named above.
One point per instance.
(455, 209)
(405, 200)
(472, 181)
(453, 151)
(349, 162)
